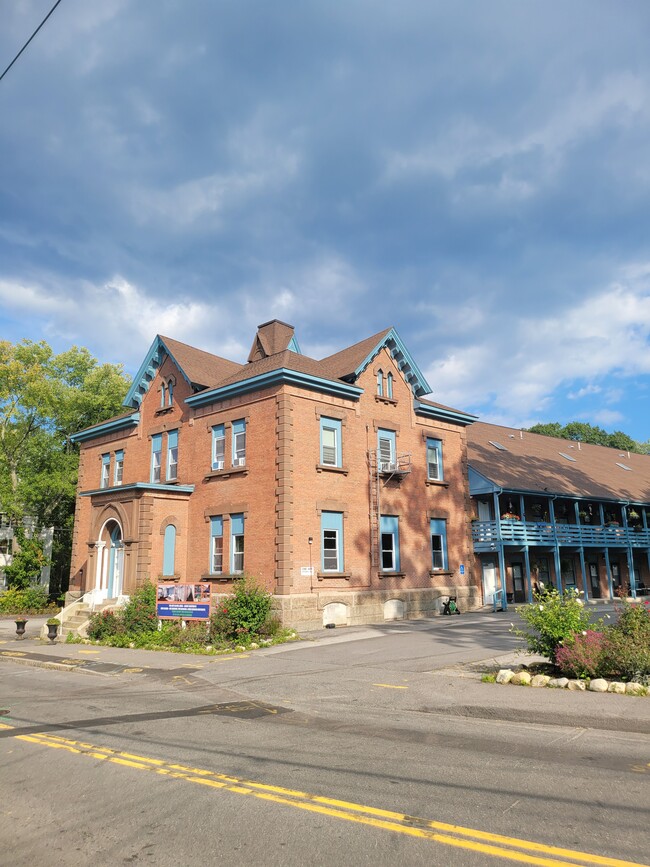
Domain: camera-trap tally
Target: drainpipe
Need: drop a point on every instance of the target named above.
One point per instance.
(630, 553)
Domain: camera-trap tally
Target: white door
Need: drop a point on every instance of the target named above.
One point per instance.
(489, 581)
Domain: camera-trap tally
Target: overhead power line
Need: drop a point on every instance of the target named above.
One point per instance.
(30, 39)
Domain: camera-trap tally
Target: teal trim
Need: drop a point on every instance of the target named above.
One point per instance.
(216, 551)
(332, 523)
(172, 439)
(106, 427)
(218, 447)
(435, 469)
(330, 442)
(282, 376)
(106, 459)
(147, 371)
(238, 442)
(389, 526)
(479, 484)
(386, 447)
(439, 559)
(443, 414)
(294, 347)
(236, 550)
(156, 450)
(412, 373)
(142, 486)
(237, 524)
(169, 550)
(216, 525)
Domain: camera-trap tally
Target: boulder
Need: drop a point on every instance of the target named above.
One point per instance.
(577, 685)
(616, 686)
(598, 684)
(540, 680)
(634, 688)
(558, 682)
(521, 678)
(505, 675)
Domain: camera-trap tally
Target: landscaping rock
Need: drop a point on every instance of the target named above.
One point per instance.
(634, 688)
(521, 678)
(558, 682)
(540, 680)
(598, 684)
(616, 686)
(505, 675)
(576, 685)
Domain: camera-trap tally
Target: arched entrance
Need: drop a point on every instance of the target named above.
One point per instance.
(109, 572)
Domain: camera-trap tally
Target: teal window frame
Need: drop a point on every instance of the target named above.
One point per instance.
(332, 550)
(386, 448)
(118, 471)
(237, 544)
(439, 557)
(218, 447)
(434, 460)
(106, 471)
(239, 442)
(330, 442)
(155, 475)
(171, 473)
(169, 551)
(389, 539)
(216, 545)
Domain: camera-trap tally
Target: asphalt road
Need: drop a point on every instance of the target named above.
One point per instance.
(369, 746)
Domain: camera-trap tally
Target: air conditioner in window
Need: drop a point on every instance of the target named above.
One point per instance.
(388, 466)
(217, 465)
(239, 462)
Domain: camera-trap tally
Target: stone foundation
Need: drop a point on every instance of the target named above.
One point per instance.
(307, 611)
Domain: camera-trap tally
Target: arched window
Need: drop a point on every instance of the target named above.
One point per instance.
(389, 385)
(163, 390)
(380, 382)
(170, 392)
(169, 550)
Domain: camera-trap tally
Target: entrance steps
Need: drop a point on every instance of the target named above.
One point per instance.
(76, 617)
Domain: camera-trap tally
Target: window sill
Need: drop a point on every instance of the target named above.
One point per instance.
(163, 410)
(324, 575)
(222, 577)
(383, 574)
(326, 468)
(225, 473)
(437, 483)
(433, 572)
(391, 401)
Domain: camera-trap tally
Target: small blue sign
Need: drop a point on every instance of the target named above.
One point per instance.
(462, 568)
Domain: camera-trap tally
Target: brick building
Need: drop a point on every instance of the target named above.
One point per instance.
(560, 513)
(335, 483)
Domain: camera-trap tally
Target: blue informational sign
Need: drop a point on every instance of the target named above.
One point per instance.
(185, 601)
(462, 568)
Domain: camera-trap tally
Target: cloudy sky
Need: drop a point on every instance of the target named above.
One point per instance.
(475, 173)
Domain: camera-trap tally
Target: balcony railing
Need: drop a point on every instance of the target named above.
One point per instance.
(486, 534)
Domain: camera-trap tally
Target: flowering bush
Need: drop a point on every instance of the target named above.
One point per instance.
(242, 615)
(626, 651)
(552, 619)
(581, 656)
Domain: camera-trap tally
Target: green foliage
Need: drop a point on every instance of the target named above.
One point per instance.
(581, 656)
(26, 563)
(31, 600)
(626, 652)
(139, 614)
(244, 614)
(587, 433)
(552, 619)
(44, 398)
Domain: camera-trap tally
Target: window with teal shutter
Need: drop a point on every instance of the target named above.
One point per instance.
(172, 456)
(106, 470)
(239, 443)
(236, 544)
(156, 457)
(434, 460)
(386, 449)
(119, 467)
(439, 544)
(216, 545)
(169, 550)
(332, 541)
(218, 447)
(389, 535)
(330, 442)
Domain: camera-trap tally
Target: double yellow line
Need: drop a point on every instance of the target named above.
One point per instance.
(482, 842)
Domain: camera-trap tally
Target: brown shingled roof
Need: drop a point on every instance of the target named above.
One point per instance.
(288, 360)
(203, 369)
(346, 361)
(532, 462)
(272, 337)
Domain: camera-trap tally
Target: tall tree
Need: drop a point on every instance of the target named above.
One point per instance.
(587, 433)
(44, 398)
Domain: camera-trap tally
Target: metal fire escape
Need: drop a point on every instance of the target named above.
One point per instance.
(381, 471)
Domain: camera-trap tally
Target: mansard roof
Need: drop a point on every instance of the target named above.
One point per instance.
(516, 460)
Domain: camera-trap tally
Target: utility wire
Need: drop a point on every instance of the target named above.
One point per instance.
(30, 39)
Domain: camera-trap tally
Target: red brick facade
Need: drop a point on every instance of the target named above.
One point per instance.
(282, 488)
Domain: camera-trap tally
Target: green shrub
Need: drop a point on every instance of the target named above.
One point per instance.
(30, 600)
(552, 619)
(242, 615)
(140, 611)
(626, 652)
(583, 655)
(106, 624)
